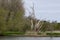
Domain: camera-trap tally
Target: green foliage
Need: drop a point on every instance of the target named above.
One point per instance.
(3, 14)
(53, 34)
(12, 16)
(45, 26)
(12, 33)
(57, 27)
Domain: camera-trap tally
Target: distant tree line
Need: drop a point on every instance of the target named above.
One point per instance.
(47, 25)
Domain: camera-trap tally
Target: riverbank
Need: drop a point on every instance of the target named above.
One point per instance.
(31, 34)
(30, 38)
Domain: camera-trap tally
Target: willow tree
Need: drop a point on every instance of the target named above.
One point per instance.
(12, 12)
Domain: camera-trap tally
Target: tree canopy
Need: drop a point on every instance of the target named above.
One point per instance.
(11, 15)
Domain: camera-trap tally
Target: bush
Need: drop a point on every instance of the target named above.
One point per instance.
(53, 34)
(12, 33)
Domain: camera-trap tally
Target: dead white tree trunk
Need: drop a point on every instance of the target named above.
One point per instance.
(32, 24)
(32, 15)
(37, 25)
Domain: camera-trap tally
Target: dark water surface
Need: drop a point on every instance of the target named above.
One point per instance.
(29, 38)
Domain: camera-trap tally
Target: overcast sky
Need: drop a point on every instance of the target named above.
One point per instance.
(44, 9)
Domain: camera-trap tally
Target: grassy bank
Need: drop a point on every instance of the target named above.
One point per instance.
(11, 33)
(43, 34)
(50, 34)
(53, 34)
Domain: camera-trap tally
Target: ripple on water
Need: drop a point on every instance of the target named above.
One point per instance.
(29, 38)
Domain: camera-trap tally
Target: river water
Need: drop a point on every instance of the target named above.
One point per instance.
(29, 38)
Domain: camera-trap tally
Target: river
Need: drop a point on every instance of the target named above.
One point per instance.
(29, 38)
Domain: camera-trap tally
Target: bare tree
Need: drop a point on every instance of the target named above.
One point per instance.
(35, 24)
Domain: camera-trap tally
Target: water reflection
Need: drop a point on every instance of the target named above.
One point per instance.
(29, 38)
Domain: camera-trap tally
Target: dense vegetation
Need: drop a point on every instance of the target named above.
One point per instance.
(12, 16)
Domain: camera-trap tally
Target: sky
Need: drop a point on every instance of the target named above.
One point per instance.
(44, 9)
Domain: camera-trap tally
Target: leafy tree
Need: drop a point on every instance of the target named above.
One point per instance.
(12, 15)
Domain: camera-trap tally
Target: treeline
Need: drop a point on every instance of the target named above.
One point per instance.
(50, 26)
(45, 25)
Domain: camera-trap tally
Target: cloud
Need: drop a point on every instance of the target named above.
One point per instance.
(49, 9)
